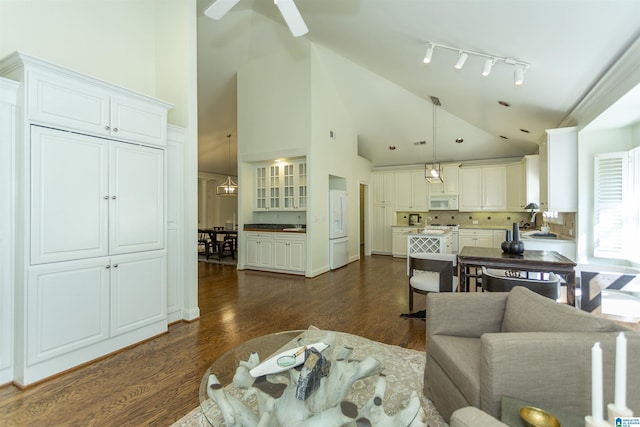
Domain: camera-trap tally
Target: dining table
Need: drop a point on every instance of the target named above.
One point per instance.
(473, 258)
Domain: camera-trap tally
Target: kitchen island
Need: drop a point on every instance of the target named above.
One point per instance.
(429, 241)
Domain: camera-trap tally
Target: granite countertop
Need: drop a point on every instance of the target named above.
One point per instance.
(276, 228)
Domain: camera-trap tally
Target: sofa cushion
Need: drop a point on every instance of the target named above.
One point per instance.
(459, 358)
(527, 311)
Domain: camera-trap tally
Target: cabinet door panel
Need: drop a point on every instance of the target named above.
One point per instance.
(470, 189)
(297, 256)
(67, 308)
(494, 186)
(138, 122)
(67, 103)
(137, 211)
(281, 254)
(138, 291)
(69, 212)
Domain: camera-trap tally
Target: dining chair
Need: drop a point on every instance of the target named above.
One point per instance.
(204, 244)
(495, 280)
(224, 246)
(432, 272)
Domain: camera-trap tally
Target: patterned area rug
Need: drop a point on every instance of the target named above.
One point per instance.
(215, 260)
(406, 364)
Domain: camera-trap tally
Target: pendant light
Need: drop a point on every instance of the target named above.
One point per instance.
(228, 188)
(433, 171)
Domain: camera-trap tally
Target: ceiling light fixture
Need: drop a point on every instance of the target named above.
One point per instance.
(462, 58)
(433, 171)
(488, 65)
(518, 75)
(228, 188)
(520, 67)
(428, 54)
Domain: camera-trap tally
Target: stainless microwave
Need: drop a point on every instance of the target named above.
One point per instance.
(443, 202)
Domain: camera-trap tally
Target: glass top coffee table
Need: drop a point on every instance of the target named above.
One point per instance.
(395, 395)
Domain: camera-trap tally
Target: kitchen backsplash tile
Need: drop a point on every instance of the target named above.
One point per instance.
(466, 218)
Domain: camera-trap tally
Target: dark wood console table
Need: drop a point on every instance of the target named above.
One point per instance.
(535, 261)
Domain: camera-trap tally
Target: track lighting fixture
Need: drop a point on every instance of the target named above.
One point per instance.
(428, 55)
(488, 65)
(518, 75)
(462, 58)
(520, 67)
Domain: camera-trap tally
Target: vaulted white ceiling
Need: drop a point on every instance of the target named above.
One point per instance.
(387, 88)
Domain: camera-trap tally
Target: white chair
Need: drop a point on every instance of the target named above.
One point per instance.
(430, 272)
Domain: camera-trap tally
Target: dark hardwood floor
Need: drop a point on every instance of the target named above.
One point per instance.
(156, 383)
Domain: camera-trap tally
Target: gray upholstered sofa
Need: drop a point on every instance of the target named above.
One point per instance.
(482, 346)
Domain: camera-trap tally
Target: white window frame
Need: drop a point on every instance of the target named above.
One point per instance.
(612, 197)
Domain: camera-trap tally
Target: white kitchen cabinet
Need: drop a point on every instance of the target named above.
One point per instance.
(450, 180)
(90, 162)
(411, 191)
(175, 224)
(383, 188)
(272, 251)
(87, 107)
(281, 186)
(475, 238)
(289, 252)
(92, 197)
(400, 237)
(559, 170)
(382, 235)
(523, 183)
(565, 247)
(483, 188)
(259, 249)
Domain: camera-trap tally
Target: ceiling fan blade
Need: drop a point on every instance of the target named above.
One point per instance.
(292, 16)
(219, 8)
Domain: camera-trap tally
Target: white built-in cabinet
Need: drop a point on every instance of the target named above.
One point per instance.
(91, 264)
(273, 251)
(449, 185)
(523, 183)
(384, 185)
(475, 238)
(8, 102)
(483, 188)
(281, 186)
(175, 223)
(411, 191)
(559, 170)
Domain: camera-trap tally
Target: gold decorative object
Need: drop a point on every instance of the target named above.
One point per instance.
(536, 417)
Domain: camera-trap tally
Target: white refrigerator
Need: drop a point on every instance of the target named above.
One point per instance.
(338, 238)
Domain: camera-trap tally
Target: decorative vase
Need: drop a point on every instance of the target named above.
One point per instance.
(516, 247)
(516, 232)
(505, 244)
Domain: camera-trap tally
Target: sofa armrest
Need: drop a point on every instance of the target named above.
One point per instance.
(465, 314)
(473, 417)
(550, 369)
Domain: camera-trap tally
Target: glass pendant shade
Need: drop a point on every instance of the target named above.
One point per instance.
(433, 172)
(227, 188)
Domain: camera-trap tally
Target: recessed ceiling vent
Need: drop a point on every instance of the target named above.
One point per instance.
(420, 143)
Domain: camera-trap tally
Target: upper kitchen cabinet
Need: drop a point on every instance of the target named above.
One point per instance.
(412, 191)
(559, 171)
(483, 188)
(281, 186)
(85, 106)
(450, 180)
(383, 188)
(523, 183)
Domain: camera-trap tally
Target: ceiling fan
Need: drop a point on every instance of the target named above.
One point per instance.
(288, 9)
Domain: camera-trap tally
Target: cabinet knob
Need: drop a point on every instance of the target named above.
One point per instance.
(113, 197)
(107, 128)
(115, 266)
(107, 267)
(115, 129)
(106, 197)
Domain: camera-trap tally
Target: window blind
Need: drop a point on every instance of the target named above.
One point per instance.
(611, 211)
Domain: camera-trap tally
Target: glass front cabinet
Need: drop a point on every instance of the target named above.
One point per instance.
(281, 186)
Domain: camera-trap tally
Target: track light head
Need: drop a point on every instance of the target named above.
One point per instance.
(488, 65)
(428, 55)
(518, 74)
(462, 58)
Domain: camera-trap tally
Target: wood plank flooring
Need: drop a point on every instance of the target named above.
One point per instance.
(156, 383)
